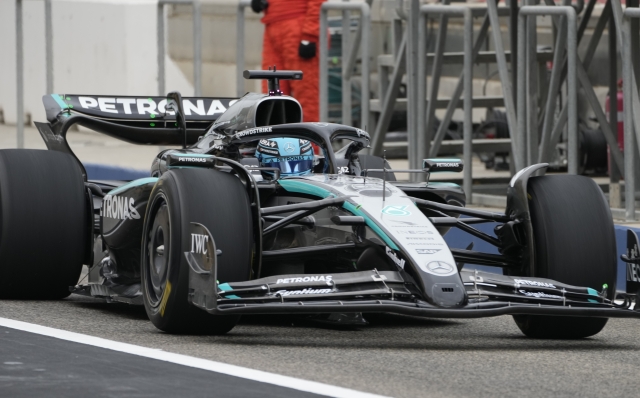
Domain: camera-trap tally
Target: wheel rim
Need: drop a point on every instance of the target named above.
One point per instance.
(158, 246)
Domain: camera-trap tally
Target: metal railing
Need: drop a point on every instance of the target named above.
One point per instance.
(362, 38)
(527, 138)
(240, 46)
(197, 44)
(197, 67)
(48, 33)
(420, 137)
(631, 118)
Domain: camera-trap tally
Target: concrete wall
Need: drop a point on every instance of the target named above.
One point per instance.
(100, 47)
(109, 47)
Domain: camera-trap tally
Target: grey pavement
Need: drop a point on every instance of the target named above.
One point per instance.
(395, 356)
(60, 368)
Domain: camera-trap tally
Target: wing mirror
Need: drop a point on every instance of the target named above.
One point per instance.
(442, 165)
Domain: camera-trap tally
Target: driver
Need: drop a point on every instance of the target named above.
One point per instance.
(293, 156)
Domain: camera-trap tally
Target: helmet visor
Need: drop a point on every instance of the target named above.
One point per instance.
(291, 166)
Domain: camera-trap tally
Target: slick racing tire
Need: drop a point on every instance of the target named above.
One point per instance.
(574, 244)
(216, 200)
(44, 224)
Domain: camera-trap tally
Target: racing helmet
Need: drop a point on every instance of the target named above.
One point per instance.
(293, 156)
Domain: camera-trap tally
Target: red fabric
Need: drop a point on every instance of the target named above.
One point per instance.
(282, 10)
(280, 48)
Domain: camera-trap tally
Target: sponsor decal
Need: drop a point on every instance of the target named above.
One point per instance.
(539, 294)
(305, 148)
(315, 278)
(217, 147)
(427, 251)
(289, 158)
(321, 124)
(533, 283)
(268, 151)
(398, 261)
(424, 244)
(362, 133)
(304, 291)
(633, 272)
(405, 232)
(119, 208)
(144, 106)
(192, 159)
(269, 143)
(451, 164)
(407, 223)
(343, 169)
(419, 238)
(439, 268)
(398, 211)
(199, 243)
(253, 131)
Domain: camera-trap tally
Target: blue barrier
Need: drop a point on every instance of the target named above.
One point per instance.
(107, 172)
(460, 240)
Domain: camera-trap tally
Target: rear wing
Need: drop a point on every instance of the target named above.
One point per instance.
(138, 120)
(150, 110)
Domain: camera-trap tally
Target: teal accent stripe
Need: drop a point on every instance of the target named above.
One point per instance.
(310, 189)
(59, 100)
(593, 292)
(303, 187)
(134, 183)
(225, 287)
(371, 224)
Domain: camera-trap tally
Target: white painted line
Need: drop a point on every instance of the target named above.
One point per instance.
(218, 367)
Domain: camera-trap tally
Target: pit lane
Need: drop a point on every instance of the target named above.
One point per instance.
(394, 356)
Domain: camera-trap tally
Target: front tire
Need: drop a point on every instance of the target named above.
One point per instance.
(218, 201)
(574, 244)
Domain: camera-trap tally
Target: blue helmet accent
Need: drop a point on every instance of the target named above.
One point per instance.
(293, 156)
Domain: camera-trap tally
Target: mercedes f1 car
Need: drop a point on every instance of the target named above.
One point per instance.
(214, 233)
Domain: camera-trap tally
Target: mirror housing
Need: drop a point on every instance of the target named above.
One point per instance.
(442, 165)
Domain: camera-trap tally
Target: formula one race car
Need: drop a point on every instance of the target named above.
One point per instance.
(258, 214)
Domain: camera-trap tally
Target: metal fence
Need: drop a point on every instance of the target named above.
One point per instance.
(529, 143)
(422, 137)
(197, 51)
(527, 137)
(197, 44)
(631, 118)
(361, 40)
(48, 33)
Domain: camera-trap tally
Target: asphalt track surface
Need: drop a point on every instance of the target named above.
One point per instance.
(59, 368)
(394, 356)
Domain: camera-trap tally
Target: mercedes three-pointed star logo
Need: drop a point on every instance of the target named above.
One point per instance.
(439, 268)
(289, 147)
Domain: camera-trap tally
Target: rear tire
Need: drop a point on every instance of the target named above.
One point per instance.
(218, 201)
(44, 225)
(574, 244)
